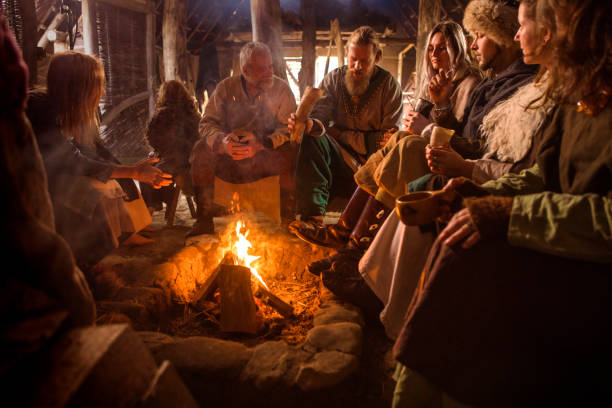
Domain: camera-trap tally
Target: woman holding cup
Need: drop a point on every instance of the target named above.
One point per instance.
(446, 62)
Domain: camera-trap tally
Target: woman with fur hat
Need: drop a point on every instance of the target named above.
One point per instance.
(514, 304)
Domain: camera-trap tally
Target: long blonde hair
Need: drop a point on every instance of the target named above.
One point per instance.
(75, 85)
(458, 55)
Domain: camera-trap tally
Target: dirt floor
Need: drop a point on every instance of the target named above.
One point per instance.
(372, 386)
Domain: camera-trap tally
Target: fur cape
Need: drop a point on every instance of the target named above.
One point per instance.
(497, 19)
(510, 126)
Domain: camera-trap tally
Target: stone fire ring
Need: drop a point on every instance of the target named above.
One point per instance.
(328, 356)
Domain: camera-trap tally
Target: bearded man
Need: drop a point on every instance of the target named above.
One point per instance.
(361, 103)
(243, 132)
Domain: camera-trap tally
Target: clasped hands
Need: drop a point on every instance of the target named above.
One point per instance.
(241, 147)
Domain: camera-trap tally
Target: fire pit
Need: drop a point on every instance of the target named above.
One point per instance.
(173, 294)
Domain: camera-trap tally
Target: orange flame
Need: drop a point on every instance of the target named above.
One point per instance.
(241, 250)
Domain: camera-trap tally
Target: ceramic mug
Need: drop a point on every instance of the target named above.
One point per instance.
(441, 136)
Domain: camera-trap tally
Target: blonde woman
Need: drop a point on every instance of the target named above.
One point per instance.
(95, 199)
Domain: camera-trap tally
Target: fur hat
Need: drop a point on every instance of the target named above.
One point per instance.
(497, 19)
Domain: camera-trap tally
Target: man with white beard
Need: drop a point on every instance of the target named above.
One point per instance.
(361, 103)
(243, 132)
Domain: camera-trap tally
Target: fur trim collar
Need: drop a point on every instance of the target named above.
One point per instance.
(509, 127)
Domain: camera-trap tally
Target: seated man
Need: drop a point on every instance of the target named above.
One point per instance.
(497, 53)
(243, 132)
(361, 103)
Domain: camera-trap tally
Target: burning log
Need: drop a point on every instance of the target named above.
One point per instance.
(237, 304)
(209, 286)
(270, 299)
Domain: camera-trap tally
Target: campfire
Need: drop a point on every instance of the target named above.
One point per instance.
(238, 281)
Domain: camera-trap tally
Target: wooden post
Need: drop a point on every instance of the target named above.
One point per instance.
(336, 34)
(90, 28)
(28, 12)
(237, 304)
(150, 53)
(267, 28)
(309, 51)
(174, 40)
(430, 14)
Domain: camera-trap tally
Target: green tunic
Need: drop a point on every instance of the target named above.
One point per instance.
(563, 205)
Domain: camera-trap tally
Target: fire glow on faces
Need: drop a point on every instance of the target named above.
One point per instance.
(485, 49)
(438, 53)
(529, 38)
(259, 71)
(361, 60)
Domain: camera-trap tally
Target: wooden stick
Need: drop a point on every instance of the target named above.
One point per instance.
(270, 299)
(209, 286)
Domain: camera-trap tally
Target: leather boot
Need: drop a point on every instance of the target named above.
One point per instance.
(205, 211)
(373, 215)
(333, 235)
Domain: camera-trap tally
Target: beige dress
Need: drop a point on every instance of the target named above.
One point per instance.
(402, 159)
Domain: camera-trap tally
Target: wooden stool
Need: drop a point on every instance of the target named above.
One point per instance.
(262, 195)
(171, 209)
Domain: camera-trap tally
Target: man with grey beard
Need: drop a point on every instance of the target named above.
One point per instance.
(243, 132)
(361, 103)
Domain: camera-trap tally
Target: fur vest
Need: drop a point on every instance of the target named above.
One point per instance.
(510, 126)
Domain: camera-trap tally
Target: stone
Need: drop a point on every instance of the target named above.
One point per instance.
(337, 313)
(268, 367)
(167, 390)
(345, 337)
(205, 357)
(325, 370)
(153, 340)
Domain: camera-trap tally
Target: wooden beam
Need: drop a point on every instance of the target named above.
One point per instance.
(335, 34)
(174, 40)
(110, 115)
(57, 20)
(150, 55)
(309, 40)
(267, 28)
(28, 12)
(90, 29)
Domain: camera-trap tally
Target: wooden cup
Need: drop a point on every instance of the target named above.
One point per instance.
(422, 207)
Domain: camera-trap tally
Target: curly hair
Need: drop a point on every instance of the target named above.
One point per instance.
(581, 41)
(174, 93)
